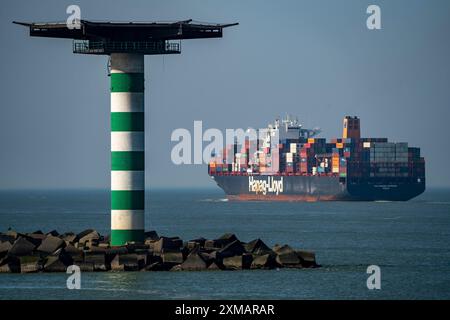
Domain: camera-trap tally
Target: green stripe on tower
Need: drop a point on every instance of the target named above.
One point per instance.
(127, 121)
(128, 160)
(127, 199)
(119, 237)
(127, 82)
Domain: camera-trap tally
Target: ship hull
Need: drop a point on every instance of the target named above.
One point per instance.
(318, 188)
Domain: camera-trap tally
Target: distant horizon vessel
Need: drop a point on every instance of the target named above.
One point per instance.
(299, 167)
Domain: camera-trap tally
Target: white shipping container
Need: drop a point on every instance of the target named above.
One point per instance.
(293, 148)
(289, 157)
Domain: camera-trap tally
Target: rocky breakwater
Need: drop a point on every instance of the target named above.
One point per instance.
(54, 252)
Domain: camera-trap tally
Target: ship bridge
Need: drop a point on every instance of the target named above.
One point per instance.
(291, 128)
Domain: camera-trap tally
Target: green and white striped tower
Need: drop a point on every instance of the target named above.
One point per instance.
(126, 43)
(127, 148)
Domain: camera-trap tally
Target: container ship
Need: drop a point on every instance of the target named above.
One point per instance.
(298, 166)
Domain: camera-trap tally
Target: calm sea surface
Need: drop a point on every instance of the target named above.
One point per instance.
(409, 241)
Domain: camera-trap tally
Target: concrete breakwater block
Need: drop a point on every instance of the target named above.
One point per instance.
(50, 244)
(257, 247)
(22, 247)
(266, 261)
(194, 262)
(128, 262)
(54, 263)
(5, 247)
(30, 264)
(54, 252)
(287, 256)
(238, 262)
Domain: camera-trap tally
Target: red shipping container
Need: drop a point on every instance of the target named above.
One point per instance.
(289, 169)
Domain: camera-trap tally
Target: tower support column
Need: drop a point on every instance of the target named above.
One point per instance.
(127, 148)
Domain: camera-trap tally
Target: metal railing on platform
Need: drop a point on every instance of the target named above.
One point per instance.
(144, 47)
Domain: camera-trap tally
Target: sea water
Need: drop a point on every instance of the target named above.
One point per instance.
(409, 241)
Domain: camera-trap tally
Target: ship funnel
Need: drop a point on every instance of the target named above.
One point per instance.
(351, 128)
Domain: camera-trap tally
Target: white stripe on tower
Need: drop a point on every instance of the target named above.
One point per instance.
(127, 219)
(127, 148)
(127, 102)
(127, 180)
(127, 141)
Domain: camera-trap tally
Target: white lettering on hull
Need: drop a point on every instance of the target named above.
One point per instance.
(265, 186)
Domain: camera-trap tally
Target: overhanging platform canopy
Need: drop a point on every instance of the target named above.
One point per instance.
(139, 37)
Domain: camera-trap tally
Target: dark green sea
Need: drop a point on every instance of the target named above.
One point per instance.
(409, 241)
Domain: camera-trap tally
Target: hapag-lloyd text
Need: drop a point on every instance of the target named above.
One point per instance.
(264, 186)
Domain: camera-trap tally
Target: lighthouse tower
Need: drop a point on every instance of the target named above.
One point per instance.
(127, 148)
(126, 44)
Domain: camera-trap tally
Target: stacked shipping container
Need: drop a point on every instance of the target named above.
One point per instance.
(343, 157)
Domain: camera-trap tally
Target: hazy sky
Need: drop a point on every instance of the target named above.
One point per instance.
(314, 59)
